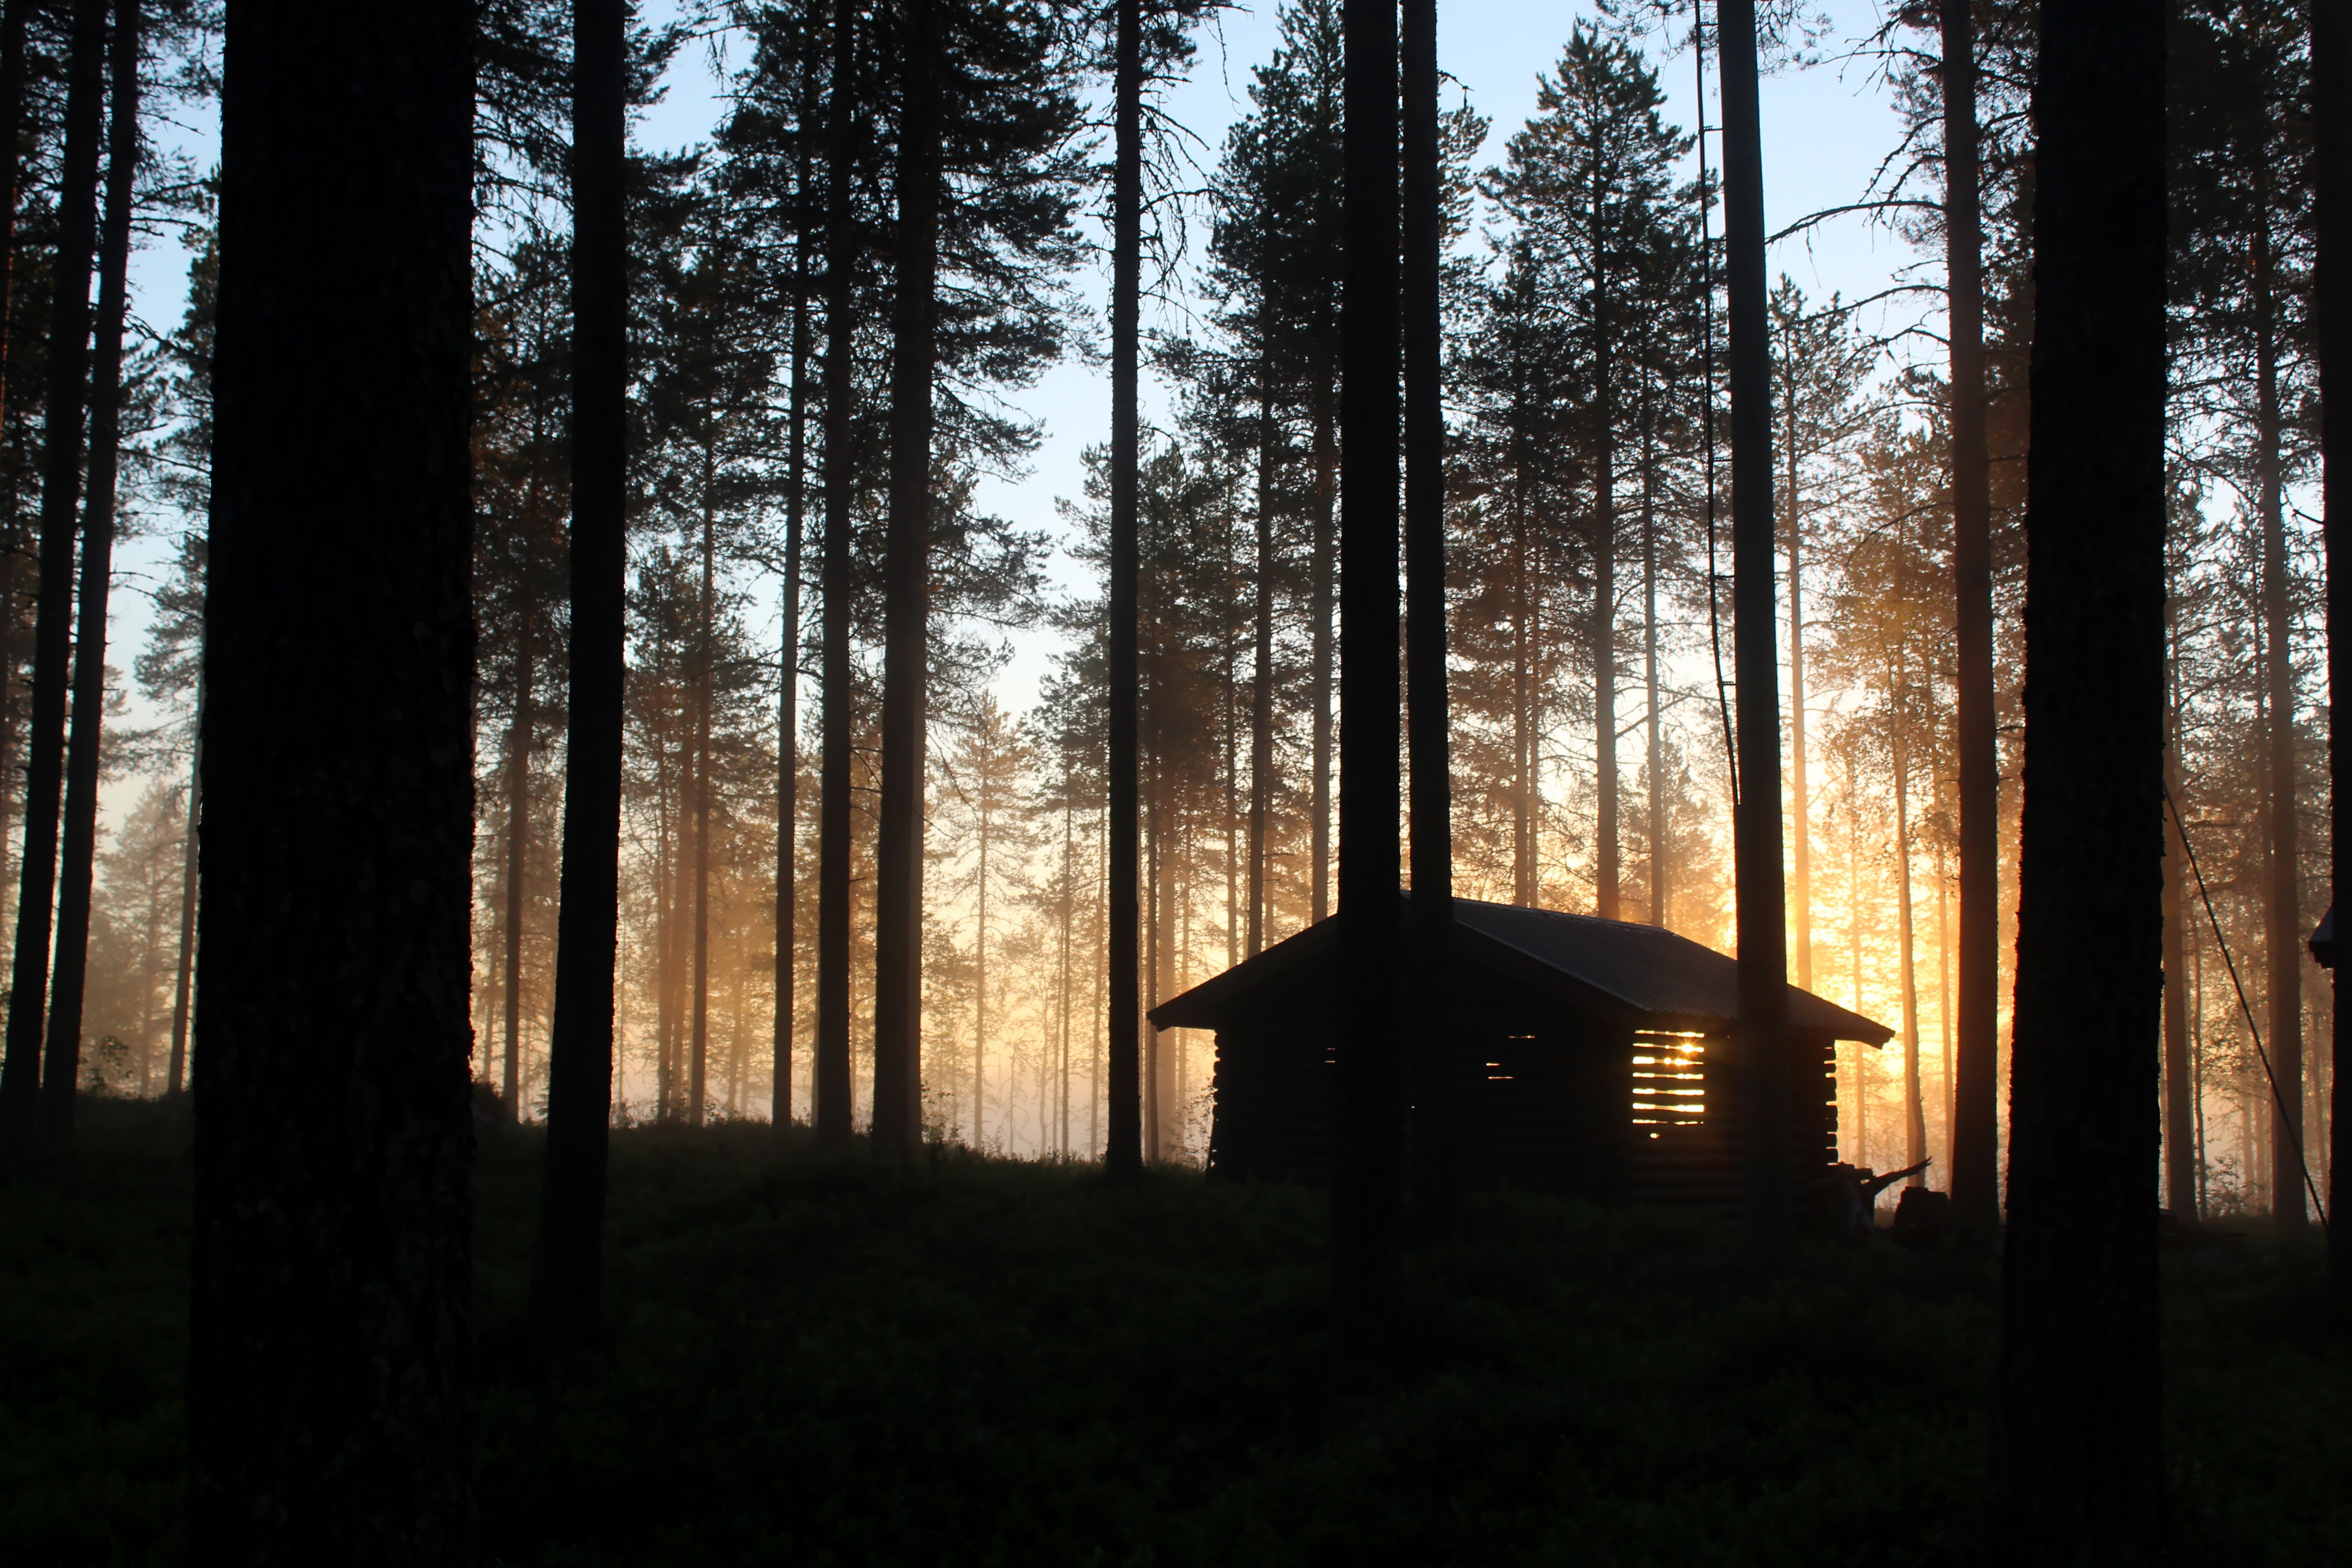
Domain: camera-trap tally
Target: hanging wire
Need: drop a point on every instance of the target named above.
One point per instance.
(2287, 1119)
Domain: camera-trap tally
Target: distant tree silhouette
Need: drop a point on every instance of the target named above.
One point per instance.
(61, 1070)
(327, 1396)
(567, 1271)
(61, 474)
(2079, 1435)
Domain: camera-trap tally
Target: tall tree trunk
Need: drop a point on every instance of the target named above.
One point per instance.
(328, 1407)
(1367, 1192)
(2079, 1451)
(517, 846)
(1915, 1109)
(1756, 656)
(1154, 1103)
(2179, 1151)
(1525, 882)
(906, 590)
(830, 1088)
(12, 121)
(1801, 859)
(1607, 875)
(788, 667)
(1661, 864)
(61, 1071)
(1427, 699)
(1976, 1174)
(2284, 932)
(2331, 100)
(184, 966)
(705, 685)
(1123, 1154)
(1069, 912)
(980, 987)
(567, 1268)
(61, 474)
(1322, 567)
(1262, 663)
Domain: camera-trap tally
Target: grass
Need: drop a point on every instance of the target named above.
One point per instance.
(829, 1360)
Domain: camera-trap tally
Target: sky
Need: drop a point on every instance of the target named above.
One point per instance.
(1825, 129)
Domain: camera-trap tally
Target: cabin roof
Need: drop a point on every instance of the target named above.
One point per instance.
(1640, 975)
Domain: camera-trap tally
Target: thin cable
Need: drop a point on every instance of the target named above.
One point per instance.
(2286, 1121)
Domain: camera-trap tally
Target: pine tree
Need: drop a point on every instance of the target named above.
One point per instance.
(328, 1346)
(567, 1267)
(61, 1070)
(2079, 1439)
(64, 412)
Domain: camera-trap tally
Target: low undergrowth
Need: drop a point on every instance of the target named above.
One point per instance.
(834, 1361)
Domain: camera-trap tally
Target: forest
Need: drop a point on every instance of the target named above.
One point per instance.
(583, 969)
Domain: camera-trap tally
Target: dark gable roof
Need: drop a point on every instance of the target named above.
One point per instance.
(1649, 977)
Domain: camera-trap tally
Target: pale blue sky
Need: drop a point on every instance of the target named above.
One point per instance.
(1825, 129)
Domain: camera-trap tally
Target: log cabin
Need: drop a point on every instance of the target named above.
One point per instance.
(1594, 1058)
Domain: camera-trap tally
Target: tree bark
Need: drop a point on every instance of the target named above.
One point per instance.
(1320, 652)
(183, 983)
(567, 1266)
(1434, 1177)
(2180, 1105)
(788, 667)
(1975, 1154)
(1607, 877)
(1368, 1192)
(61, 474)
(1801, 857)
(517, 849)
(2079, 1459)
(1755, 658)
(1261, 664)
(327, 1412)
(2283, 934)
(2331, 100)
(831, 1085)
(1661, 862)
(1915, 1109)
(705, 683)
(899, 844)
(61, 1072)
(1123, 1153)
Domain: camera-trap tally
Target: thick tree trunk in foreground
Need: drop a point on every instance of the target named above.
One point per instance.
(1123, 1152)
(567, 1270)
(1431, 804)
(1763, 916)
(1369, 1191)
(1976, 1157)
(61, 1071)
(2331, 97)
(61, 459)
(829, 1072)
(906, 590)
(2079, 1459)
(328, 1411)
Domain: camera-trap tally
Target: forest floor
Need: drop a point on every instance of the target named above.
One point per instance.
(832, 1360)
